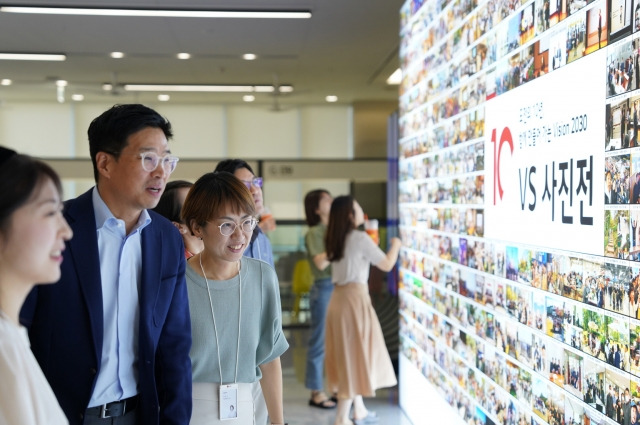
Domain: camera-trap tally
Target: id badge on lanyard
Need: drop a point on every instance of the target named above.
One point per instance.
(228, 401)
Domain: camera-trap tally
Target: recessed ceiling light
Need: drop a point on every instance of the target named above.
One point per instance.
(249, 56)
(331, 98)
(179, 13)
(248, 98)
(5, 82)
(77, 97)
(184, 56)
(107, 87)
(164, 97)
(61, 83)
(117, 55)
(395, 78)
(32, 57)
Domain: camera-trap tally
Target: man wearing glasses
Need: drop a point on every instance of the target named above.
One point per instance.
(113, 336)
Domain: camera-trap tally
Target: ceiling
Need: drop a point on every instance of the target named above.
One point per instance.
(348, 48)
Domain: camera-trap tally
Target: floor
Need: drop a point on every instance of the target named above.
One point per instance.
(296, 396)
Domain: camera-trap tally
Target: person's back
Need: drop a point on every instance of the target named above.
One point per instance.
(113, 336)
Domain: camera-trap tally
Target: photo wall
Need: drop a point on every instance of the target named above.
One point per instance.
(519, 202)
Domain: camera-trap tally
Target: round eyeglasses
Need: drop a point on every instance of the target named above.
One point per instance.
(228, 227)
(151, 160)
(256, 181)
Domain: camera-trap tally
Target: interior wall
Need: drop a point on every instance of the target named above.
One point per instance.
(370, 128)
(216, 131)
(52, 130)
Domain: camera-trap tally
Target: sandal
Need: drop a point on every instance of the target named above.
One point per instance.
(325, 403)
(371, 418)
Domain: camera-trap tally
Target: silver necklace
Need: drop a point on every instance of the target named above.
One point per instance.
(213, 317)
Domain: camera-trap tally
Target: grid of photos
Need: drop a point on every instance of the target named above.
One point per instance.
(510, 334)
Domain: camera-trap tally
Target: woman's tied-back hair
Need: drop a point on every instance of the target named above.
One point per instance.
(20, 178)
(341, 222)
(169, 205)
(311, 204)
(211, 194)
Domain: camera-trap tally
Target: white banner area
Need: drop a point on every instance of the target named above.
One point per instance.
(544, 156)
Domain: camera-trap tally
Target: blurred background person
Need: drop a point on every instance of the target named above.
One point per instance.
(234, 301)
(357, 360)
(32, 237)
(170, 206)
(317, 205)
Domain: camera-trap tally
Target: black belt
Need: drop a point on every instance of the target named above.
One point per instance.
(115, 408)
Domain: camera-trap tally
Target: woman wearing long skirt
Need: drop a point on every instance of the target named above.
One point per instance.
(357, 361)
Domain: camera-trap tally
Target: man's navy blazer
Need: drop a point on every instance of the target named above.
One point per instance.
(65, 321)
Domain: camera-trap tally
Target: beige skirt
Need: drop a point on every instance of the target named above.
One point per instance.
(206, 406)
(356, 358)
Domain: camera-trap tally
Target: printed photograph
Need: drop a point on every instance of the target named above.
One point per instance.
(617, 233)
(634, 347)
(616, 179)
(616, 283)
(593, 322)
(573, 371)
(555, 318)
(573, 411)
(576, 36)
(594, 380)
(620, 66)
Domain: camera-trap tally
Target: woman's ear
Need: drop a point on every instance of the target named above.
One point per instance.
(197, 229)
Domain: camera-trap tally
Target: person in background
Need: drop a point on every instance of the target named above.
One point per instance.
(356, 360)
(113, 335)
(170, 206)
(32, 236)
(317, 205)
(259, 247)
(234, 301)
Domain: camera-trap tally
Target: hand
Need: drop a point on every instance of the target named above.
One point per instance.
(396, 242)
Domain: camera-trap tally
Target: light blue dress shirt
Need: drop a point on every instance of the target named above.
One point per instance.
(120, 271)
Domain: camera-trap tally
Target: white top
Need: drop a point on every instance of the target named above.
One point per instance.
(25, 395)
(359, 252)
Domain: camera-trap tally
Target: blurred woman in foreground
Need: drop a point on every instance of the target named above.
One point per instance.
(32, 237)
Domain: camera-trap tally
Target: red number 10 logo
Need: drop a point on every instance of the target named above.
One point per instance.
(505, 137)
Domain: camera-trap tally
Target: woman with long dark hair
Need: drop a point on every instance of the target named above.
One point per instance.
(317, 204)
(32, 237)
(357, 360)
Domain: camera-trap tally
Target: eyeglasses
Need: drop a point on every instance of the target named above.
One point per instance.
(257, 182)
(228, 227)
(150, 161)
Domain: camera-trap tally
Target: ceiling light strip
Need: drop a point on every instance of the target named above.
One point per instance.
(205, 88)
(32, 57)
(166, 13)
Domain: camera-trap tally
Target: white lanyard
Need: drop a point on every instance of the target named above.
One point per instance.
(215, 329)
